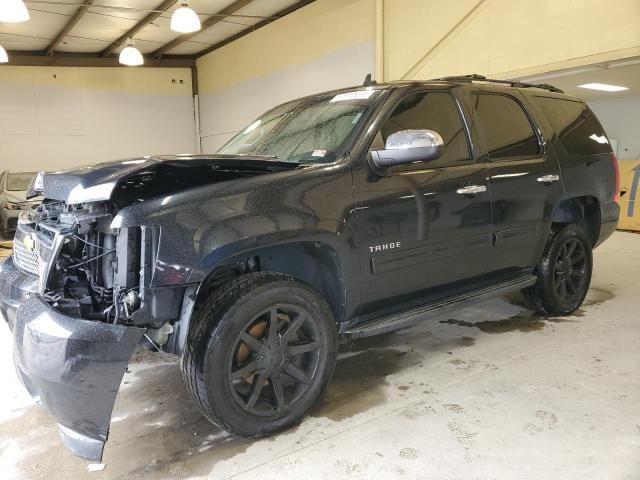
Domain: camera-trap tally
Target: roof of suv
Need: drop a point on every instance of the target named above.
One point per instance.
(469, 79)
(451, 82)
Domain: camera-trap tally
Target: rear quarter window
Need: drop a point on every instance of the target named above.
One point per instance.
(577, 127)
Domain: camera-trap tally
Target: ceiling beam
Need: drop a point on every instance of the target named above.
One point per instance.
(64, 59)
(82, 9)
(255, 27)
(208, 23)
(158, 11)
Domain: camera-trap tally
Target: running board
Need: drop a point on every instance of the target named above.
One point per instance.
(425, 312)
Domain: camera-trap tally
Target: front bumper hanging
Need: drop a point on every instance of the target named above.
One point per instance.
(71, 367)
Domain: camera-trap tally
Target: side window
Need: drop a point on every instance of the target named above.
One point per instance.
(577, 127)
(431, 111)
(507, 129)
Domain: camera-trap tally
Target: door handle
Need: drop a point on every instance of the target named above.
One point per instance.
(548, 178)
(471, 190)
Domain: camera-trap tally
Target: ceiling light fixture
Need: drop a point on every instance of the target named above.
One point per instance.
(130, 55)
(603, 86)
(13, 11)
(185, 20)
(4, 58)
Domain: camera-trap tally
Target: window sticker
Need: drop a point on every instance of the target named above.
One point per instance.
(319, 153)
(357, 95)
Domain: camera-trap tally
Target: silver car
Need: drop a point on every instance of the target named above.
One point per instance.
(13, 188)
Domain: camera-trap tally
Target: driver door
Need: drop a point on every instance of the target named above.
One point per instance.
(420, 230)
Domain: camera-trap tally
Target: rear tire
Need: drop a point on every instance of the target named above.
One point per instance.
(260, 353)
(564, 273)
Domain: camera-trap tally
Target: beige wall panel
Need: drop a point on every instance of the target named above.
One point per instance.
(313, 31)
(325, 45)
(410, 26)
(505, 37)
(223, 112)
(54, 118)
(133, 80)
(17, 110)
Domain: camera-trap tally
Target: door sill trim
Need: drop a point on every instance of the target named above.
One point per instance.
(419, 314)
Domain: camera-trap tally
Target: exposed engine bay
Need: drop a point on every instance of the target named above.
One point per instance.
(86, 269)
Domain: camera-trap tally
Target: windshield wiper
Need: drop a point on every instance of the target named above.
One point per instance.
(272, 157)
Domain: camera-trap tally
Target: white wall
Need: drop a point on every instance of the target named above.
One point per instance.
(53, 118)
(325, 45)
(621, 120)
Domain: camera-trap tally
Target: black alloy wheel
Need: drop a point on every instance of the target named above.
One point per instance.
(564, 272)
(260, 353)
(273, 360)
(570, 270)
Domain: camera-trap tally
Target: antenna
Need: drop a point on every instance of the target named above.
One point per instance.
(368, 81)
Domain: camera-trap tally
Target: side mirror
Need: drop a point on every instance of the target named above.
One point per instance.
(406, 150)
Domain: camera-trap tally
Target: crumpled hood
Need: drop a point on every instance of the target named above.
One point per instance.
(142, 178)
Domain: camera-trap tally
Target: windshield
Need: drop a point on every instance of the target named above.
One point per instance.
(19, 182)
(310, 130)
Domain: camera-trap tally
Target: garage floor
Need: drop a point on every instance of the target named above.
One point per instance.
(489, 392)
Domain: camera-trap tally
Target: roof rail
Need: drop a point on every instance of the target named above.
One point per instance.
(512, 83)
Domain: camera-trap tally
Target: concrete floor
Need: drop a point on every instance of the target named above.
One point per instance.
(488, 393)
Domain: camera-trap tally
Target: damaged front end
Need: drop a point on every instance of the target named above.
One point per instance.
(94, 271)
(74, 295)
(85, 268)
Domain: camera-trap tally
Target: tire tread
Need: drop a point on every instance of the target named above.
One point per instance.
(537, 297)
(206, 330)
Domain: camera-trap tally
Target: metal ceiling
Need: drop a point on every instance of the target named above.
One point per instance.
(92, 32)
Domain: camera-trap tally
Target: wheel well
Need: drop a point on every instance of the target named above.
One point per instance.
(313, 263)
(584, 211)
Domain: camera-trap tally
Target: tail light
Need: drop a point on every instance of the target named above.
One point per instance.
(616, 172)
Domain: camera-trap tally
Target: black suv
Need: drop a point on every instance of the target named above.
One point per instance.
(335, 216)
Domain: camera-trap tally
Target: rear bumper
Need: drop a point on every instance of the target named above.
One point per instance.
(609, 221)
(71, 367)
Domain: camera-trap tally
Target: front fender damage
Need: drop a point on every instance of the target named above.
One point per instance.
(73, 369)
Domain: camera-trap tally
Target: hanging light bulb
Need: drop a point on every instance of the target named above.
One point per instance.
(13, 11)
(185, 20)
(130, 55)
(4, 58)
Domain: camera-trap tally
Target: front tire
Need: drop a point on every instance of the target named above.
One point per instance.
(260, 354)
(564, 273)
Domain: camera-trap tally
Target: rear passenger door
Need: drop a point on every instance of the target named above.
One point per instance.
(524, 177)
